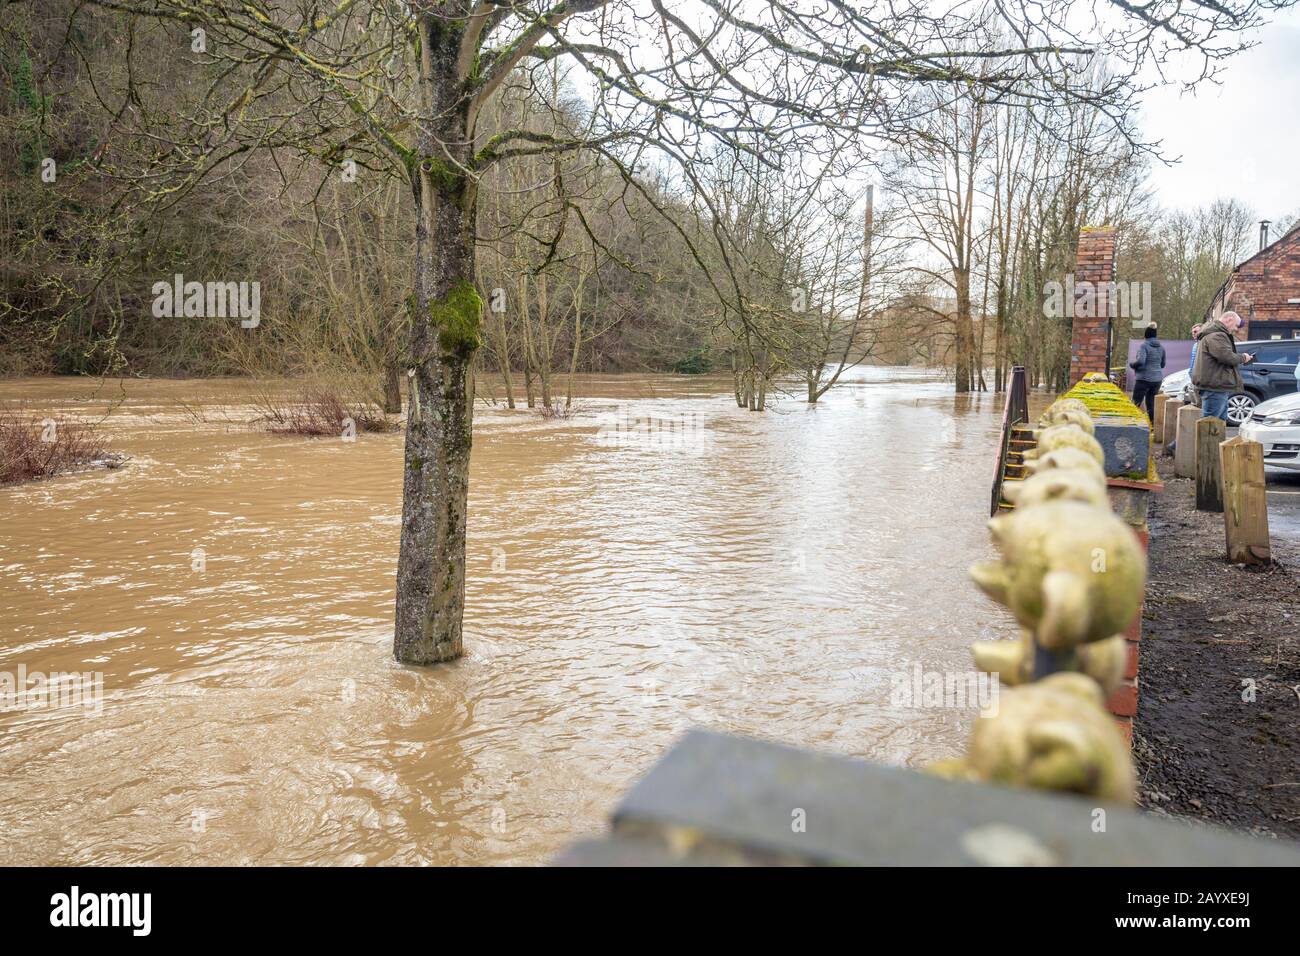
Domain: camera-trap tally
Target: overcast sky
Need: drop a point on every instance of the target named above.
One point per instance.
(1239, 139)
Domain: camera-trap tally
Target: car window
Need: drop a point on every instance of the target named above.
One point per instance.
(1283, 353)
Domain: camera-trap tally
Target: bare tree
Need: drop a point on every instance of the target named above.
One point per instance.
(937, 178)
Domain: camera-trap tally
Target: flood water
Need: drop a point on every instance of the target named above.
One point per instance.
(759, 574)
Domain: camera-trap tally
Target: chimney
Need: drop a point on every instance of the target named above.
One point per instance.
(1263, 233)
(1090, 329)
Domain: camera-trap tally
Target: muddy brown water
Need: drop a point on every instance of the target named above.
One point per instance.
(661, 560)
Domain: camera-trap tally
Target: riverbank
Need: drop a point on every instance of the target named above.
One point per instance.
(1214, 636)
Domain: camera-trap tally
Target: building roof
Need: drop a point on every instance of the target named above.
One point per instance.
(1290, 233)
(1276, 242)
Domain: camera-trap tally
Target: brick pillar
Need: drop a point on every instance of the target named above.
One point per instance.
(1094, 271)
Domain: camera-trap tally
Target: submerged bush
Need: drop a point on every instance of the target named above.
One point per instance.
(556, 410)
(31, 448)
(320, 410)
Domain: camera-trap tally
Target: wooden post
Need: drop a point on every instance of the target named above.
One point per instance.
(1158, 423)
(1245, 504)
(1209, 474)
(1185, 452)
(1170, 424)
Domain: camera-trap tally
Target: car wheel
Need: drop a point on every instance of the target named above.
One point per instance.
(1239, 408)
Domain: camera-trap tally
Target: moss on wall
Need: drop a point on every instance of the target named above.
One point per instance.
(1107, 400)
(1108, 404)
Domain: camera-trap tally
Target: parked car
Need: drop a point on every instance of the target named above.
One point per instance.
(1275, 424)
(1175, 386)
(1272, 374)
(1269, 376)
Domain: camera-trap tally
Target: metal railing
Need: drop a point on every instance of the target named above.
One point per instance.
(1016, 412)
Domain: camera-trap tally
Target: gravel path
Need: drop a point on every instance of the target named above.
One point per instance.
(1212, 635)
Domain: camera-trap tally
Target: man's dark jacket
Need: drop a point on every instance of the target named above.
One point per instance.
(1217, 360)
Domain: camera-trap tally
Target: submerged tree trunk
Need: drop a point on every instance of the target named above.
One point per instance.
(502, 344)
(509, 383)
(577, 343)
(1000, 337)
(965, 342)
(541, 340)
(444, 336)
(392, 388)
(503, 365)
(530, 361)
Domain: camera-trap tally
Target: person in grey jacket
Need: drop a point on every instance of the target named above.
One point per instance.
(1149, 366)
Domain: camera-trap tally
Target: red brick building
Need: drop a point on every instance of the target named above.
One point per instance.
(1265, 291)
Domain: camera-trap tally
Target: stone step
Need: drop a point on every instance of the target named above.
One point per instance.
(719, 799)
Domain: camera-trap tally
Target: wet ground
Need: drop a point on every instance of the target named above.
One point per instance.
(1217, 735)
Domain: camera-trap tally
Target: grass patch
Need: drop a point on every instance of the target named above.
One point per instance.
(42, 448)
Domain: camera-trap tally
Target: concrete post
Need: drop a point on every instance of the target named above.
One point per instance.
(1185, 457)
(1209, 482)
(1170, 424)
(1245, 502)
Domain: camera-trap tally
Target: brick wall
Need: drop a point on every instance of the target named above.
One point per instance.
(1094, 270)
(1260, 288)
(1123, 702)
